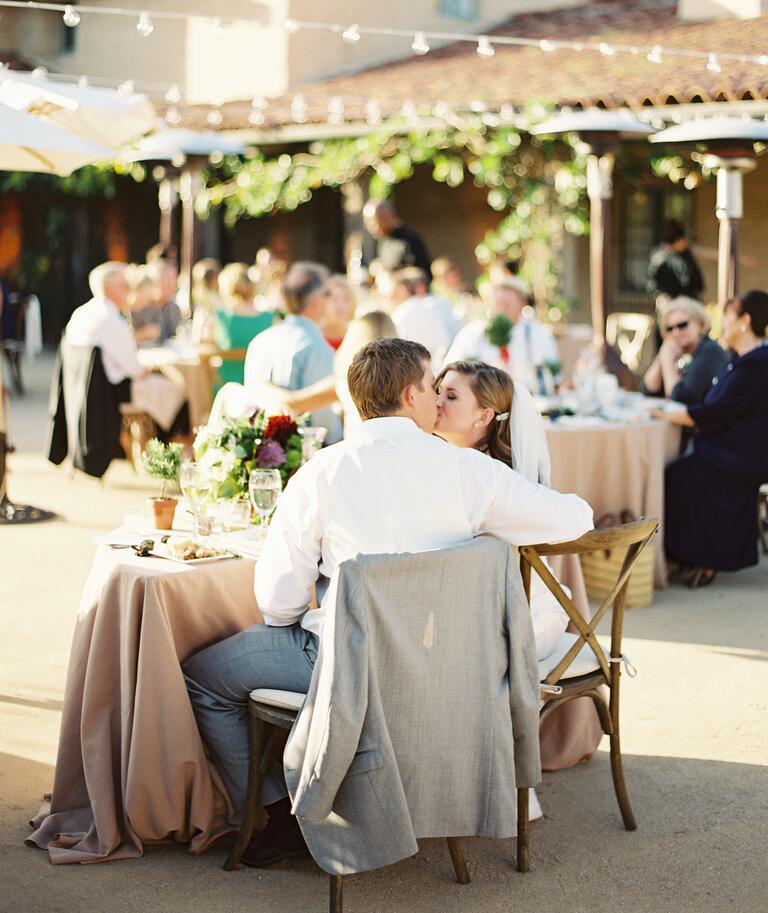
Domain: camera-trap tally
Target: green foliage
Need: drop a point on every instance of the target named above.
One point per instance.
(499, 330)
(163, 461)
(93, 180)
(538, 185)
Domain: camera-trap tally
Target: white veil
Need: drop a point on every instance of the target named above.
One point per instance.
(528, 438)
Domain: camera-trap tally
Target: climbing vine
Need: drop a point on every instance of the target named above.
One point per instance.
(537, 186)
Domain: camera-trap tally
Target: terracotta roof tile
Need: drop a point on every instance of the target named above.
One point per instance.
(515, 75)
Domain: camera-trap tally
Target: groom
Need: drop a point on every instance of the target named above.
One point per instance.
(392, 487)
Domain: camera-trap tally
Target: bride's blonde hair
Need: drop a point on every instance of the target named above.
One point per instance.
(493, 389)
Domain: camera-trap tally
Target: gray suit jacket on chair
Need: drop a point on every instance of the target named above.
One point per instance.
(422, 717)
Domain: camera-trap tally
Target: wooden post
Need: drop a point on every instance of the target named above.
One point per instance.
(189, 185)
(600, 191)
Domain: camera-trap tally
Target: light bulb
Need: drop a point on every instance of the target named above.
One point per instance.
(351, 34)
(420, 44)
(71, 17)
(546, 46)
(215, 117)
(144, 26)
(172, 116)
(126, 88)
(654, 55)
(39, 73)
(291, 25)
(372, 112)
(173, 95)
(606, 50)
(763, 59)
(485, 48)
(336, 110)
(259, 102)
(256, 118)
(713, 64)
(82, 81)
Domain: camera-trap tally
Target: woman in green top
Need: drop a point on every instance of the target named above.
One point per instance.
(237, 321)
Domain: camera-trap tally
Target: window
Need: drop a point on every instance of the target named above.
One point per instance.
(643, 213)
(458, 9)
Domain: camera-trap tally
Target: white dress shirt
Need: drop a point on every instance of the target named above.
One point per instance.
(421, 319)
(98, 322)
(531, 345)
(391, 488)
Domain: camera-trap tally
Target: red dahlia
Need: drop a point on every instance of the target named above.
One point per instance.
(280, 428)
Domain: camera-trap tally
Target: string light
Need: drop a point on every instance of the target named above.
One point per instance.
(484, 47)
(144, 26)
(605, 49)
(126, 87)
(419, 45)
(654, 55)
(172, 116)
(351, 34)
(336, 110)
(372, 112)
(291, 26)
(82, 81)
(546, 46)
(713, 64)
(214, 117)
(71, 17)
(299, 109)
(39, 73)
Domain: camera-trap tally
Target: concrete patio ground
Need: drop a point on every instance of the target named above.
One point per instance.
(694, 727)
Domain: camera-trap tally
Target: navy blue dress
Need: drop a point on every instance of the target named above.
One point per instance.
(710, 510)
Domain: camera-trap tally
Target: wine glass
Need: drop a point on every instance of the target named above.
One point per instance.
(264, 487)
(311, 441)
(195, 482)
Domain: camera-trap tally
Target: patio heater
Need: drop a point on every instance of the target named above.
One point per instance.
(600, 134)
(724, 145)
(183, 154)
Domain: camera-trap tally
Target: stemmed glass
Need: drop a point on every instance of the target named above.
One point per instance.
(195, 482)
(264, 488)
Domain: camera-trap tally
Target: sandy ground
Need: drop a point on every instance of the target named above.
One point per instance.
(695, 737)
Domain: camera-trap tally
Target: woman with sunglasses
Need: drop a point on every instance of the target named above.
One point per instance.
(710, 516)
(688, 360)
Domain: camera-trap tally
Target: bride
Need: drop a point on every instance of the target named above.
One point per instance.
(482, 407)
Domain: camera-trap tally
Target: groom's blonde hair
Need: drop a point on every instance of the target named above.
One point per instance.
(380, 373)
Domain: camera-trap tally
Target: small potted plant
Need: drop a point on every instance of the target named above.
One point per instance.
(163, 461)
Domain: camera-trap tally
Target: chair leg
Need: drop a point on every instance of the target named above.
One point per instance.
(336, 901)
(457, 858)
(253, 797)
(522, 830)
(617, 768)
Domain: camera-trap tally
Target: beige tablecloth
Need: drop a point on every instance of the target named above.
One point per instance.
(131, 768)
(616, 467)
(186, 368)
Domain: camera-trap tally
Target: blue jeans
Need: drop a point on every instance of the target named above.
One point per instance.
(219, 680)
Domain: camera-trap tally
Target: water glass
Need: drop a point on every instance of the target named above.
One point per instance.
(311, 441)
(264, 488)
(235, 515)
(196, 483)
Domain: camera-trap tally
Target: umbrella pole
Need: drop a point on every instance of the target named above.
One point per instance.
(600, 191)
(729, 210)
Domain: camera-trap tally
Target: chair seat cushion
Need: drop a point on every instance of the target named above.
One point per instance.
(584, 662)
(286, 700)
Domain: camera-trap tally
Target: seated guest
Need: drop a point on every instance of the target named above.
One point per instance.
(528, 347)
(100, 322)
(392, 487)
(205, 298)
(688, 360)
(364, 329)
(144, 314)
(339, 310)
(294, 354)
(237, 322)
(710, 517)
(418, 316)
(166, 276)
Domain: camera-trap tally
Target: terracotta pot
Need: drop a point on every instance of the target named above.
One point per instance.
(164, 509)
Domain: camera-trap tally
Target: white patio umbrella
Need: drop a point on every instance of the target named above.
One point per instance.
(167, 145)
(29, 144)
(100, 115)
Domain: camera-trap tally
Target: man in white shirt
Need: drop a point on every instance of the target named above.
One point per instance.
(388, 488)
(422, 317)
(100, 322)
(530, 345)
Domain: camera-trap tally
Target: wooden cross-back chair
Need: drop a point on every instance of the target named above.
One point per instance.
(579, 666)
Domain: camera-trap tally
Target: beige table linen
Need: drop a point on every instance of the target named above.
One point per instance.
(188, 368)
(616, 467)
(131, 768)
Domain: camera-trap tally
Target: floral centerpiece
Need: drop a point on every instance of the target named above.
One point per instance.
(245, 444)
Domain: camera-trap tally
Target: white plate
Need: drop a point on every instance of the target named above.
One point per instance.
(163, 551)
